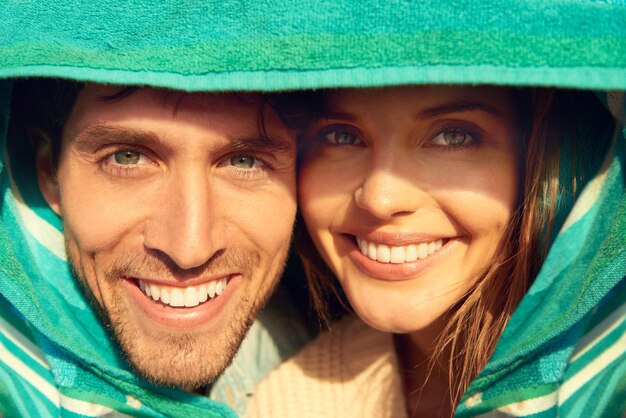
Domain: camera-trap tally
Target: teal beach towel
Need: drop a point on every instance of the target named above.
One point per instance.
(272, 45)
(56, 358)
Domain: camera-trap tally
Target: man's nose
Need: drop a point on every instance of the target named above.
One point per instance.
(185, 225)
(386, 193)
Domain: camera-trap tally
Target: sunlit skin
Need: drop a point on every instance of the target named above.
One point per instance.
(174, 189)
(410, 165)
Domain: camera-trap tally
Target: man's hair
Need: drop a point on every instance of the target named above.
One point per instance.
(41, 106)
(39, 109)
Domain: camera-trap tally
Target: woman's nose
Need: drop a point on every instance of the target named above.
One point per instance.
(386, 194)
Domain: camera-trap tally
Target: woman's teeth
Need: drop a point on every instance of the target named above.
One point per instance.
(184, 296)
(397, 255)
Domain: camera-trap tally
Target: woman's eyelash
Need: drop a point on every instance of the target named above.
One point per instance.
(456, 138)
(450, 138)
(339, 135)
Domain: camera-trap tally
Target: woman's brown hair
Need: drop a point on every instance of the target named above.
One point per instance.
(556, 126)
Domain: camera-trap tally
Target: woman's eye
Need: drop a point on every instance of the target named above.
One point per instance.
(127, 157)
(342, 138)
(245, 162)
(452, 138)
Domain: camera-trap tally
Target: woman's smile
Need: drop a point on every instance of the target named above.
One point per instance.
(386, 262)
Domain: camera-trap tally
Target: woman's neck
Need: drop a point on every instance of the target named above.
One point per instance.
(426, 383)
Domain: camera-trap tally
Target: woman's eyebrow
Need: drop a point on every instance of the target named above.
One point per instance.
(458, 106)
(331, 114)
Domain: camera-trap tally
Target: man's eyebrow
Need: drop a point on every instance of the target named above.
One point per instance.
(260, 144)
(98, 136)
(458, 106)
(101, 135)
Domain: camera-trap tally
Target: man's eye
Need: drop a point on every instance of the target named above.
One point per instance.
(342, 138)
(127, 162)
(453, 138)
(127, 157)
(245, 162)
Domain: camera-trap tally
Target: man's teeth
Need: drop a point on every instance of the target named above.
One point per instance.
(184, 296)
(397, 255)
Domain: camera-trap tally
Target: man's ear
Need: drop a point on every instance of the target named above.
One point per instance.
(46, 179)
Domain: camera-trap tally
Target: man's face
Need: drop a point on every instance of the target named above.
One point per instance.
(177, 215)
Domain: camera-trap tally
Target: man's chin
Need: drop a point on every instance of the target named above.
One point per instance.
(184, 361)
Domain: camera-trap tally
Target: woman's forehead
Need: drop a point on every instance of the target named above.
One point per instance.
(425, 93)
(423, 101)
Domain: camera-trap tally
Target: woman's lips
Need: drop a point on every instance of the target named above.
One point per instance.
(399, 254)
(397, 262)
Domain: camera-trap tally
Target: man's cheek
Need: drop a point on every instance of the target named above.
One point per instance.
(272, 222)
(261, 214)
(97, 224)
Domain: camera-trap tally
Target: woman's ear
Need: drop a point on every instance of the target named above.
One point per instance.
(46, 179)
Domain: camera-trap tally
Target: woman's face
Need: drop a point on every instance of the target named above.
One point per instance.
(406, 192)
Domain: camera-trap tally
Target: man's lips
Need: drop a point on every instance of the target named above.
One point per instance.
(183, 296)
(181, 317)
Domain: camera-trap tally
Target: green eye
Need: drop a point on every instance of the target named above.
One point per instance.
(455, 137)
(343, 138)
(127, 157)
(244, 161)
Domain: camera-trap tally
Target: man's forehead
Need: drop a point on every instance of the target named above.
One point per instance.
(162, 112)
(98, 103)
(107, 94)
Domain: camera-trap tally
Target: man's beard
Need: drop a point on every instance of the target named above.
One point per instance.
(178, 359)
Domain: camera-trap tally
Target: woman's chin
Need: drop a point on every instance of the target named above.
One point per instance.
(407, 320)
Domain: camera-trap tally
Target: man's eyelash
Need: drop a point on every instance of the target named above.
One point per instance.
(245, 174)
(121, 170)
(250, 173)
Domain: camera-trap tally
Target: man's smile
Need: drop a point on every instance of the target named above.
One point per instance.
(187, 296)
(180, 308)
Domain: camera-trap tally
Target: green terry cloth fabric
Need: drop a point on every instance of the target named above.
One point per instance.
(294, 44)
(563, 353)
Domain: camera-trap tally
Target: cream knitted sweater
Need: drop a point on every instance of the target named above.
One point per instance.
(349, 372)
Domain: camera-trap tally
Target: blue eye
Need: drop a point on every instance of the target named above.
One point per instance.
(127, 157)
(245, 162)
(342, 137)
